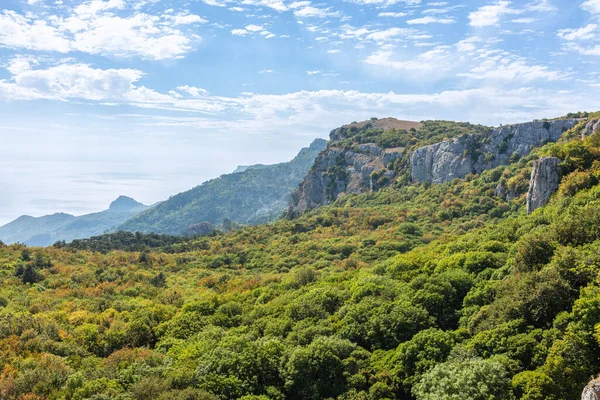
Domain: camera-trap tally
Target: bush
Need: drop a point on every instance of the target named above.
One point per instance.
(473, 379)
(576, 181)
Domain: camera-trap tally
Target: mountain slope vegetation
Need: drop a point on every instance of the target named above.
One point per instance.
(420, 291)
(253, 195)
(46, 230)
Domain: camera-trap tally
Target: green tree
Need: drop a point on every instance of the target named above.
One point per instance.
(317, 371)
(473, 379)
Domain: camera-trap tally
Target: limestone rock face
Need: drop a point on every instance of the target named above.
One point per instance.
(591, 391)
(468, 154)
(591, 127)
(339, 170)
(545, 179)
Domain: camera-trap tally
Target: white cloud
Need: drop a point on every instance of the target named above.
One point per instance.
(20, 64)
(267, 34)
(335, 51)
(430, 65)
(583, 40)
(592, 6)
(303, 9)
(523, 20)
(473, 58)
(192, 90)
(254, 28)
(381, 37)
(18, 31)
(430, 20)
(276, 5)
(593, 50)
(490, 15)
(541, 6)
(313, 72)
(511, 70)
(588, 32)
(91, 8)
(71, 81)
(303, 109)
(185, 19)
(384, 2)
(93, 28)
(216, 3)
(392, 14)
(239, 32)
(249, 29)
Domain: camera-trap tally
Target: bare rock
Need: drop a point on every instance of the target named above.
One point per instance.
(591, 127)
(591, 391)
(341, 169)
(501, 191)
(545, 179)
(468, 154)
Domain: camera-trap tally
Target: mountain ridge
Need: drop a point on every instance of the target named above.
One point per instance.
(255, 194)
(367, 156)
(48, 229)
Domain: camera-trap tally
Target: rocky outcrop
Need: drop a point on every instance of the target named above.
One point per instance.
(349, 167)
(545, 179)
(468, 154)
(591, 127)
(338, 171)
(504, 193)
(591, 391)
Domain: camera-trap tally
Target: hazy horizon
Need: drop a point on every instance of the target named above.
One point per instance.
(112, 179)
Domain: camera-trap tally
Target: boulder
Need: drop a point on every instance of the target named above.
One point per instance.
(545, 179)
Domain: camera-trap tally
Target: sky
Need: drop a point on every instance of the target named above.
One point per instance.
(149, 98)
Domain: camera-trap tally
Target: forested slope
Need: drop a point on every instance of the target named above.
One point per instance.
(253, 195)
(418, 291)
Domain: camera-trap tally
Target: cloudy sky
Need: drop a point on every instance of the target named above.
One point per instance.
(148, 98)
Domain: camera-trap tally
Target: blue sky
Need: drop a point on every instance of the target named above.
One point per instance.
(148, 98)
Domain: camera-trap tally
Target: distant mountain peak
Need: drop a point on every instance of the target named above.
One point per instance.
(318, 144)
(124, 204)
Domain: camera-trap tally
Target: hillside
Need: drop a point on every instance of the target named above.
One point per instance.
(366, 156)
(417, 290)
(251, 195)
(46, 230)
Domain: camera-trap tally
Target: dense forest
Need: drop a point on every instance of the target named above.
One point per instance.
(416, 291)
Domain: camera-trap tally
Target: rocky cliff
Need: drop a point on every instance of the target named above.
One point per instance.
(366, 156)
(350, 167)
(361, 157)
(338, 171)
(592, 126)
(456, 158)
(545, 179)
